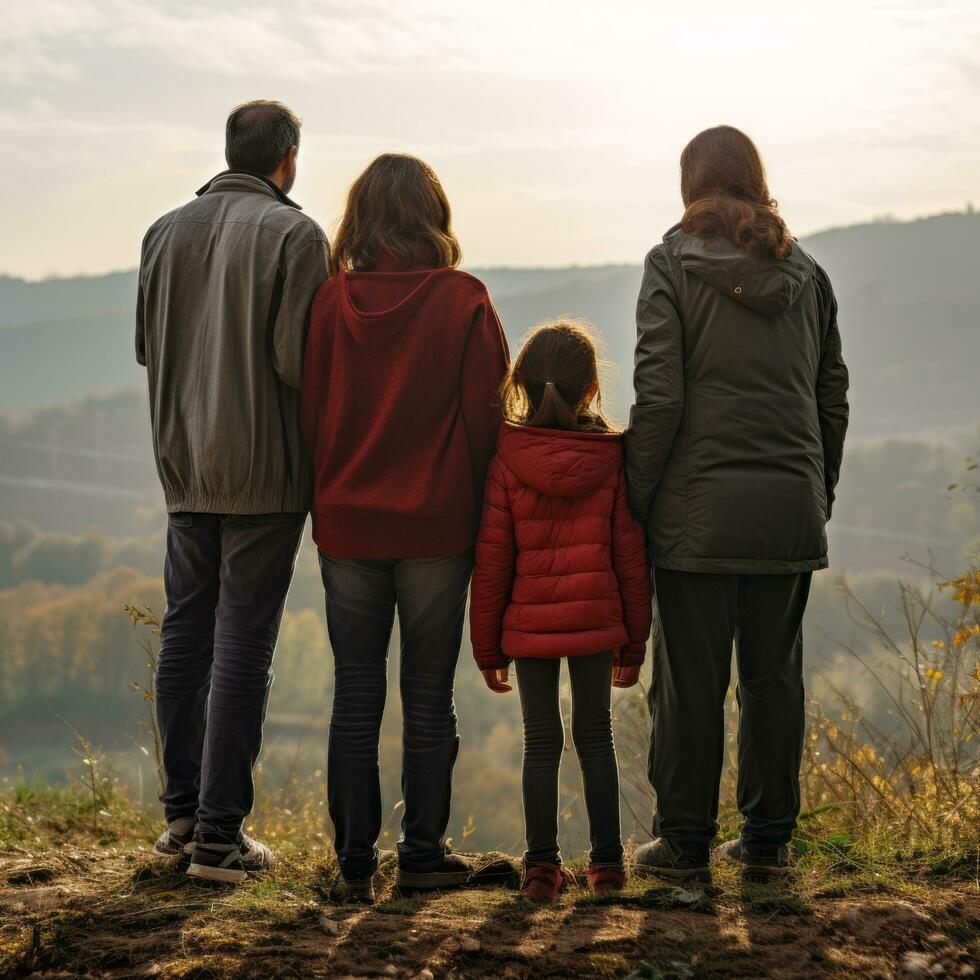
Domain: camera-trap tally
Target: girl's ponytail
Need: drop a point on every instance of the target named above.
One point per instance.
(554, 382)
(553, 411)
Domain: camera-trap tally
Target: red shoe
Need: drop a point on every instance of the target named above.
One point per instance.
(544, 882)
(605, 878)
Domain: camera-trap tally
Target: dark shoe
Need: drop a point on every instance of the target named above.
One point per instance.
(544, 882)
(761, 862)
(177, 840)
(663, 859)
(359, 892)
(605, 878)
(217, 857)
(450, 871)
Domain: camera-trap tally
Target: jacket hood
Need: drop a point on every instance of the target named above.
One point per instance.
(368, 308)
(765, 285)
(557, 462)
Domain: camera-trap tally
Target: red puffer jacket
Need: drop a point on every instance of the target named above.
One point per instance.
(561, 565)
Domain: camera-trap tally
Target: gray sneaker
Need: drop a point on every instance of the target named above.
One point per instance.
(664, 859)
(177, 840)
(217, 857)
(754, 862)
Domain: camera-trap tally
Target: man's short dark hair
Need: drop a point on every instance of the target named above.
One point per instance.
(258, 135)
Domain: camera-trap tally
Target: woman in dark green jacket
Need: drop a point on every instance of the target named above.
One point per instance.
(733, 452)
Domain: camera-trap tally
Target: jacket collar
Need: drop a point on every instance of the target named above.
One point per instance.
(246, 180)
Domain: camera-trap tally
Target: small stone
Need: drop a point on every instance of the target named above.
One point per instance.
(917, 965)
(675, 936)
(391, 970)
(425, 974)
(42, 898)
(937, 939)
(685, 896)
(470, 945)
(330, 926)
(966, 970)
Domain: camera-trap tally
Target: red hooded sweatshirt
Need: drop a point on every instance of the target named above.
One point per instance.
(400, 410)
(561, 565)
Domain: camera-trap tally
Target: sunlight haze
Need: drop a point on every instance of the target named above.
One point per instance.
(555, 126)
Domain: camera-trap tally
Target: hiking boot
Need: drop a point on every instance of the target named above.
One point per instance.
(450, 871)
(177, 840)
(218, 857)
(605, 878)
(664, 859)
(763, 862)
(544, 882)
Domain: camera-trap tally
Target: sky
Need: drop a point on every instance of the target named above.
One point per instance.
(555, 126)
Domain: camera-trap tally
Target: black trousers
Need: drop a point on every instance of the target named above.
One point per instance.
(226, 578)
(702, 614)
(544, 741)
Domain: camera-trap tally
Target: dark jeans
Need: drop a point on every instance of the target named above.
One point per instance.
(226, 579)
(362, 595)
(702, 614)
(544, 741)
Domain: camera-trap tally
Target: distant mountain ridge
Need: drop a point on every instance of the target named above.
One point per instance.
(908, 294)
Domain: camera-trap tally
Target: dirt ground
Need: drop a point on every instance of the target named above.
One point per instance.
(115, 913)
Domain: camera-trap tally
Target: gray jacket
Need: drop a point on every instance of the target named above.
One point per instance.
(735, 440)
(225, 288)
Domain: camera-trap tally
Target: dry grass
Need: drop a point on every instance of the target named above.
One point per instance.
(77, 900)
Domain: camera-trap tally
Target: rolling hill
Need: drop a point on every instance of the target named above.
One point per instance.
(908, 295)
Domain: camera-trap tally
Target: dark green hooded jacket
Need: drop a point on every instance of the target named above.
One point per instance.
(735, 441)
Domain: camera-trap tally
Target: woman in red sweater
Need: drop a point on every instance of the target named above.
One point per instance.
(400, 410)
(561, 571)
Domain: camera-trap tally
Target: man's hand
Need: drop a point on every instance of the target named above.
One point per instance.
(496, 679)
(622, 676)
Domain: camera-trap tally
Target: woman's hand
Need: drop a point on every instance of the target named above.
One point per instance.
(496, 679)
(623, 676)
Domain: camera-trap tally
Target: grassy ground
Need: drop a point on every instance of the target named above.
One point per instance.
(79, 895)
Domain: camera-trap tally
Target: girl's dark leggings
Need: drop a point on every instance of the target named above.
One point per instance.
(544, 741)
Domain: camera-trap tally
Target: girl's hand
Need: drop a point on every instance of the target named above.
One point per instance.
(496, 679)
(623, 676)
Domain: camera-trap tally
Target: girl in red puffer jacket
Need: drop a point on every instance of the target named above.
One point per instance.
(561, 571)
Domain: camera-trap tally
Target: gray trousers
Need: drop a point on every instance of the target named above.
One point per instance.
(702, 614)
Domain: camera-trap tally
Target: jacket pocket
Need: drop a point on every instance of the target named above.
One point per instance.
(181, 519)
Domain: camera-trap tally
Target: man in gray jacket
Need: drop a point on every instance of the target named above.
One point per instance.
(225, 287)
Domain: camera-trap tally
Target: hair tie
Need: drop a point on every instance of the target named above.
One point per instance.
(549, 383)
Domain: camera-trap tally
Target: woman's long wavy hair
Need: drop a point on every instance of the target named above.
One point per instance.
(725, 193)
(554, 381)
(397, 204)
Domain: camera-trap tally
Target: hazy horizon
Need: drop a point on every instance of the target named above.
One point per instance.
(886, 219)
(556, 127)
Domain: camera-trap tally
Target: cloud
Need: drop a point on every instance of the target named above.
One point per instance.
(52, 38)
